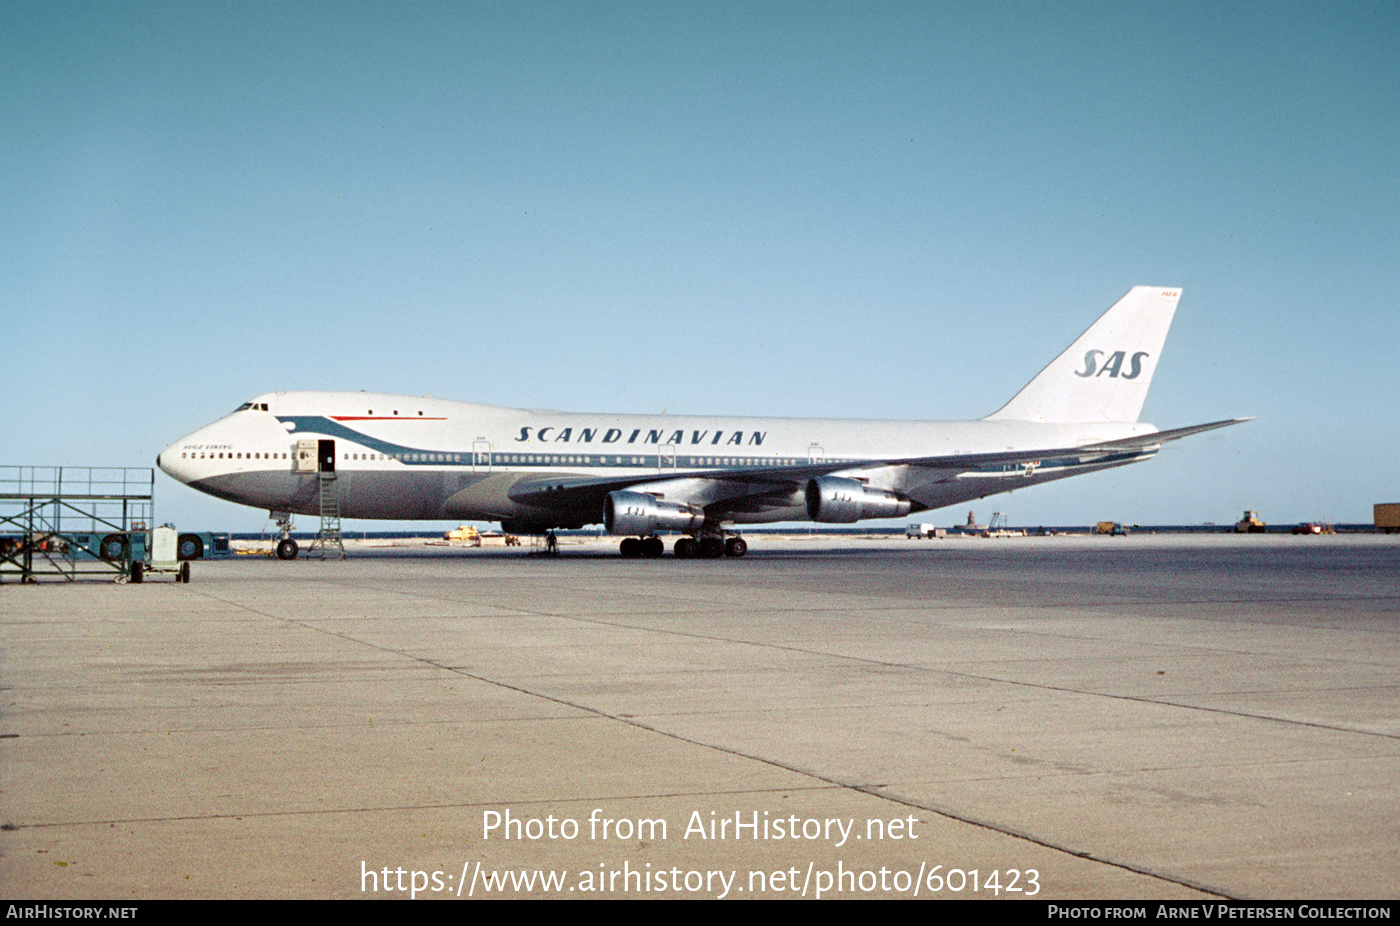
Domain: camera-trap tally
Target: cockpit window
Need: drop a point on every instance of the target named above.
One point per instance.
(253, 406)
(244, 407)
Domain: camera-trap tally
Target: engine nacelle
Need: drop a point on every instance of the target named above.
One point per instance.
(835, 500)
(639, 514)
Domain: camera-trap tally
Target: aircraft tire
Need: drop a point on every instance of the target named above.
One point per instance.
(653, 547)
(711, 548)
(687, 548)
(631, 547)
(287, 549)
(736, 547)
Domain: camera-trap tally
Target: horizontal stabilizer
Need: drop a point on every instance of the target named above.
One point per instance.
(1161, 437)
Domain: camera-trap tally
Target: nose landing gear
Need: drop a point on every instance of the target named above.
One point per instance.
(285, 547)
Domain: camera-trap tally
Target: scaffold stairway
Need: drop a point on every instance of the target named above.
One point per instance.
(329, 534)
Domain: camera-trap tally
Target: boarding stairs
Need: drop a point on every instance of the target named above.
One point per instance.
(328, 536)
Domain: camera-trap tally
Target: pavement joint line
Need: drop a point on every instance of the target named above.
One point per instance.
(808, 773)
(871, 791)
(1192, 707)
(400, 808)
(850, 659)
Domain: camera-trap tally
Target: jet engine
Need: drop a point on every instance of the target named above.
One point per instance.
(835, 500)
(636, 513)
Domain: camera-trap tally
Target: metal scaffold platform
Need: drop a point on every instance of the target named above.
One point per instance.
(67, 521)
(328, 537)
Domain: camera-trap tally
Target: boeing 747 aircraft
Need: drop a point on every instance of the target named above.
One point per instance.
(405, 457)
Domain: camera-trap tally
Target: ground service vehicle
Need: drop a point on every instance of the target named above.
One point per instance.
(1249, 524)
(1387, 515)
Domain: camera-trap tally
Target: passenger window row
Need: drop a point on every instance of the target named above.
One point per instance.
(526, 459)
(206, 455)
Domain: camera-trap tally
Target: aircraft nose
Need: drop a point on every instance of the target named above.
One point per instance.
(168, 461)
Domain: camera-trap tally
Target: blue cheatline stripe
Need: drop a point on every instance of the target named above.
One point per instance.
(321, 425)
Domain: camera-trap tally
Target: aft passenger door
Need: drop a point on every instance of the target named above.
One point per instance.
(666, 458)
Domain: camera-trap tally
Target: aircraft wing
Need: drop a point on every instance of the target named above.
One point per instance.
(759, 488)
(967, 461)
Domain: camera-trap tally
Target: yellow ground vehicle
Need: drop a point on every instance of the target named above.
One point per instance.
(1249, 524)
(466, 532)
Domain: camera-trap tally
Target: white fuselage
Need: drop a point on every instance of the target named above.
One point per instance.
(405, 457)
(371, 455)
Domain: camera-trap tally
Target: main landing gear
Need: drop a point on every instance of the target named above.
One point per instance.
(649, 547)
(704, 547)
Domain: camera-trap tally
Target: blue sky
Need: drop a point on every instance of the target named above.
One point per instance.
(873, 210)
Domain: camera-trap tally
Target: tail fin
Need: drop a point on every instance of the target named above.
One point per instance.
(1104, 375)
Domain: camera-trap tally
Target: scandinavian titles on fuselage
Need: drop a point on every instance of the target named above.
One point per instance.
(554, 435)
